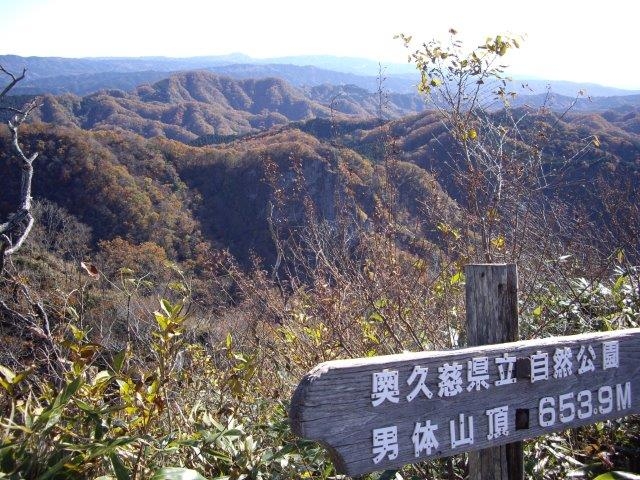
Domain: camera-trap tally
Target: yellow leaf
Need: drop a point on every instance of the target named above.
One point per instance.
(498, 242)
(101, 377)
(472, 134)
(7, 373)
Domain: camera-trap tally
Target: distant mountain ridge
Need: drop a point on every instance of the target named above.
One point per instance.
(53, 66)
(301, 76)
(56, 74)
(311, 76)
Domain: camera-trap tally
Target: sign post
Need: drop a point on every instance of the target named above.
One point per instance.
(384, 412)
(492, 317)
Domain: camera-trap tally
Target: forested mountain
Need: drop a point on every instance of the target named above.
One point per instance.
(184, 194)
(186, 106)
(189, 105)
(353, 100)
(122, 185)
(202, 105)
(578, 103)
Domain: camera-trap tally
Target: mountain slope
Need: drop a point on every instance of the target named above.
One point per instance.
(186, 106)
(176, 196)
(590, 163)
(114, 182)
(353, 100)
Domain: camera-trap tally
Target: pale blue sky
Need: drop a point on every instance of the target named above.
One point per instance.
(565, 39)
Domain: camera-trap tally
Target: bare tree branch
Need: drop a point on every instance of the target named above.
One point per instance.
(14, 80)
(20, 222)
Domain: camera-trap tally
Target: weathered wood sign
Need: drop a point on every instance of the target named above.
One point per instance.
(384, 412)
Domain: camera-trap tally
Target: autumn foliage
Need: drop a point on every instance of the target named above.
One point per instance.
(171, 296)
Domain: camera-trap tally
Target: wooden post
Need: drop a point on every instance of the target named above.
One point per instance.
(492, 317)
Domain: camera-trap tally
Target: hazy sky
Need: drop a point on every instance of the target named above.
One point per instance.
(565, 39)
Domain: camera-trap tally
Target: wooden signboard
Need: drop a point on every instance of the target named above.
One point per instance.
(384, 412)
